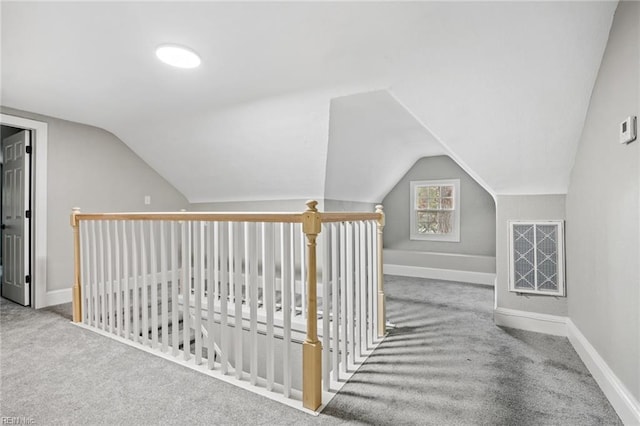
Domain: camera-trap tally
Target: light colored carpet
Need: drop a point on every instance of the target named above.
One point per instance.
(446, 363)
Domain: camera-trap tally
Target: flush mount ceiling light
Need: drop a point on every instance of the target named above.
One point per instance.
(177, 56)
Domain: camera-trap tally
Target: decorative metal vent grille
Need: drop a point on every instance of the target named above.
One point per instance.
(537, 257)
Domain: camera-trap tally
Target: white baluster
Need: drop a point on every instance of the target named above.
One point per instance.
(85, 257)
(326, 310)
(144, 272)
(164, 290)
(356, 287)
(118, 280)
(362, 288)
(237, 282)
(185, 286)
(212, 285)
(175, 308)
(350, 305)
(125, 281)
(292, 269)
(286, 294)
(217, 263)
(109, 289)
(225, 266)
(343, 297)
(102, 293)
(269, 284)
(198, 256)
(251, 283)
(371, 284)
(335, 292)
(136, 294)
(154, 284)
(95, 284)
(303, 273)
(375, 282)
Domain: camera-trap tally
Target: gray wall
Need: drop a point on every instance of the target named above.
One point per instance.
(90, 168)
(348, 206)
(603, 235)
(477, 220)
(254, 206)
(524, 207)
(282, 206)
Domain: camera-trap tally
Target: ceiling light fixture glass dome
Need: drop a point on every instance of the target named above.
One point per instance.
(178, 56)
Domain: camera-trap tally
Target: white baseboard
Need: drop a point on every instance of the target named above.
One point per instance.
(627, 407)
(484, 278)
(531, 321)
(56, 297)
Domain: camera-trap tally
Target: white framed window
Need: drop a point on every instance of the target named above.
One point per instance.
(435, 210)
(536, 257)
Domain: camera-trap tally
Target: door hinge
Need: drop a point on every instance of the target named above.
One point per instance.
(29, 149)
(27, 279)
(27, 214)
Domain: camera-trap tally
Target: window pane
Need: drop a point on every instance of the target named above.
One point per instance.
(426, 222)
(423, 191)
(446, 191)
(447, 203)
(421, 222)
(434, 191)
(421, 197)
(445, 222)
(434, 222)
(433, 203)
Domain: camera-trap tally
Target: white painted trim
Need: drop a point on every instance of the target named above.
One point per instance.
(484, 278)
(531, 321)
(627, 407)
(40, 149)
(56, 297)
(440, 254)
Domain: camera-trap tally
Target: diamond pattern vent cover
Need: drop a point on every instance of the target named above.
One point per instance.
(537, 257)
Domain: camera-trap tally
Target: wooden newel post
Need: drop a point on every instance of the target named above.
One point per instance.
(311, 348)
(382, 320)
(77, 292)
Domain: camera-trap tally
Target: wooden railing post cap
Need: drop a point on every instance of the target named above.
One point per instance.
(379, 210)
(311, 222)
(74, 212)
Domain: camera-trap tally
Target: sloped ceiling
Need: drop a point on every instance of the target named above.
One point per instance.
(502, 87)
(373, 141)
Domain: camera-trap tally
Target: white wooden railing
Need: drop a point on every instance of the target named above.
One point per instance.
(247, 296)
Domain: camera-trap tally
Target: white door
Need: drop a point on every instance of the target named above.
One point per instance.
(15, 223)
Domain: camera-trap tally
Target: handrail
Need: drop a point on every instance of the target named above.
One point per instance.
(287, 217)
(348, 216)
(194, 216)
(311, 221)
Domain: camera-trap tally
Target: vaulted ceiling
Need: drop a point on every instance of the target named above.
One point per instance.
(317, 99)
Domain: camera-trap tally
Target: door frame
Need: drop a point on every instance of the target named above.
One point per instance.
(39, 143)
